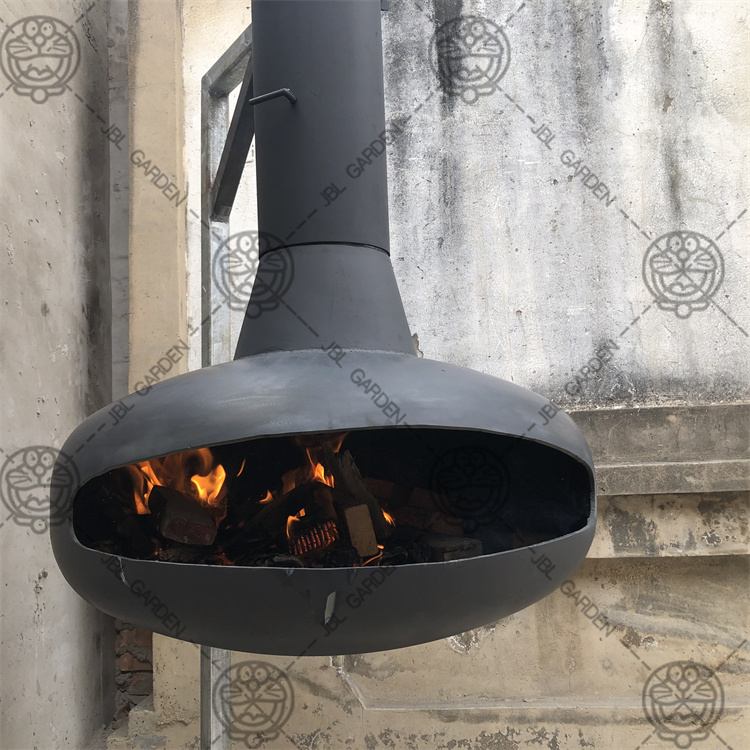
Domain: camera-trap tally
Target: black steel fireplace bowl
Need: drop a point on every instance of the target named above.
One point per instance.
(328, 491)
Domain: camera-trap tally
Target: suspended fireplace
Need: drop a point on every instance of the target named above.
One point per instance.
(328, 491)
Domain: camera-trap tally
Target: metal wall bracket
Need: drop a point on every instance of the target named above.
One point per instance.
(237, 145)
(236, 149)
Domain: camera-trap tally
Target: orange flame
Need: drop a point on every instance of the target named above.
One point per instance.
(312, 471)
(319, 472)
(388, 517)
(209, 486)
(289, 523)
(335, 441)
(376, 557)
(193, 473)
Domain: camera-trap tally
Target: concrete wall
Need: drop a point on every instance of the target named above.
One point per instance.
(507, 263)
(511, 263)
(56, 660)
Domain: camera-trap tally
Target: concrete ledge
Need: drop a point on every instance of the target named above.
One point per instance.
(676, 449)
(672, 477)
(672, 525)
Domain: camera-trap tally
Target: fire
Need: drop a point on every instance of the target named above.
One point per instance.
(291, 521)
(374, 558)
(193, 473)
(388, 517)
(313, 470)
(319, 472)
(209, 486)
(336, 441)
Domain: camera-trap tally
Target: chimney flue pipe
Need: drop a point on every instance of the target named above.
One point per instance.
(329, 54)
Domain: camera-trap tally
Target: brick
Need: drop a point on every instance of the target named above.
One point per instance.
(122, 680)
(141, 684)
(123, 702)
(128, 663)
(139, 637)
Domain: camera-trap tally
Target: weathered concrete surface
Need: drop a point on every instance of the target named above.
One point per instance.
(209, 28)
(56, 652)
(673, 525)
(563, 673)
(508, 265)
(686, 434)
(669, 449)
(157, 218)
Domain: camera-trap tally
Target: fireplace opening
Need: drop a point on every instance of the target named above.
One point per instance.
(367, 497)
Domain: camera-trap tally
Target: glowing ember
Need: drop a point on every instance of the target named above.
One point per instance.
(374, 558)
(316, 539)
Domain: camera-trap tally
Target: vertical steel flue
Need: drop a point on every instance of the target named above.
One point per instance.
(329, 53)
(325, 274)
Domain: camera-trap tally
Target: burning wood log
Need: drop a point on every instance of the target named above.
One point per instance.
(416, 507)
(272, 517)
(181, 517)
(361, 532)
(347, 478)
(315, 540)
(313, 529)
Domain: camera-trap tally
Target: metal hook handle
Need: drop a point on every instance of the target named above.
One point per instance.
(273, 95)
